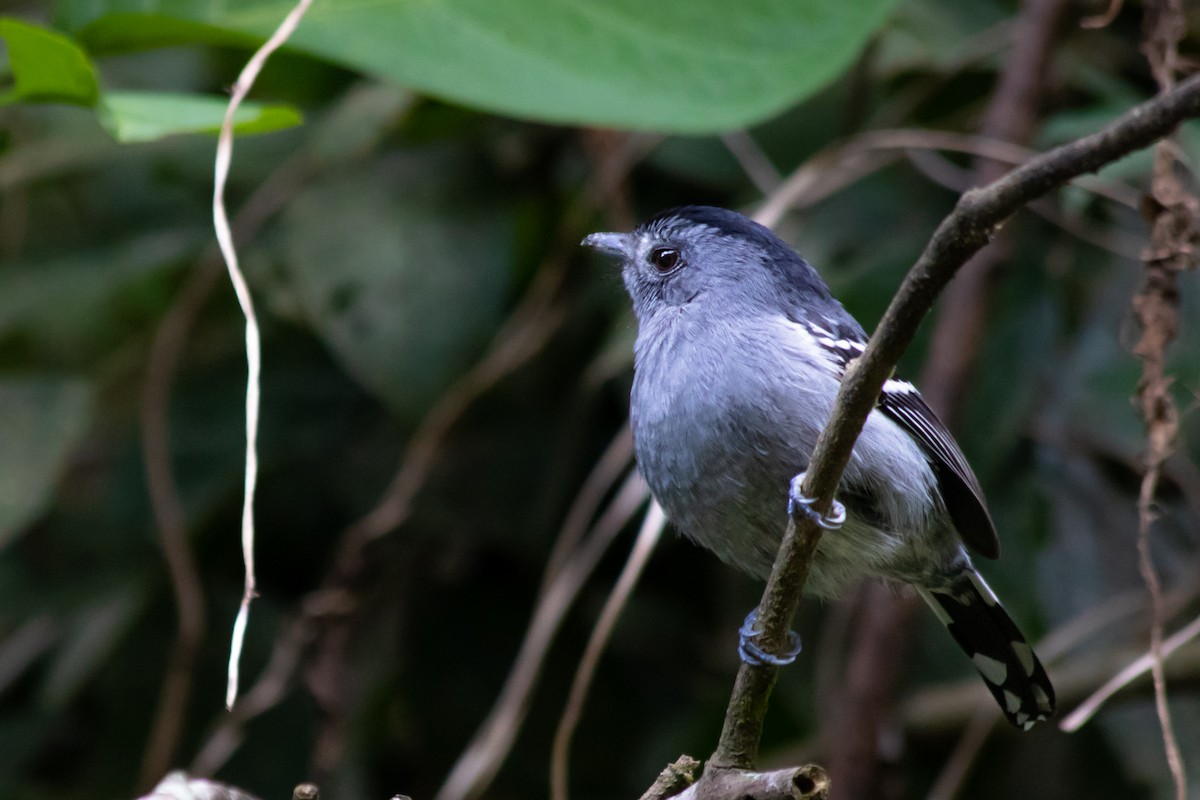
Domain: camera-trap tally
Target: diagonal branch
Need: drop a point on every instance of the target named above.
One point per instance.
(973, 222)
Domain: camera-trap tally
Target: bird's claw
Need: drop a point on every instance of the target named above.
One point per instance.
(799, 503)
(751, 653)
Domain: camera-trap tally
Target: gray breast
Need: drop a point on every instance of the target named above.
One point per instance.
(722, 424)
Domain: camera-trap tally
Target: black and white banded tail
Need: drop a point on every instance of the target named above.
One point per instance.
(970, 611)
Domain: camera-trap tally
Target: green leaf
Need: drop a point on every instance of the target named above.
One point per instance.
(671, 65)
(46, 66)
(43, 418)
(146, 116)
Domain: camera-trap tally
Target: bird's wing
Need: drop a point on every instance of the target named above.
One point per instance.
(961, 492)
(902, 403)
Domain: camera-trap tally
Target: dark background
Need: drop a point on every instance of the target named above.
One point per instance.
(396, 242)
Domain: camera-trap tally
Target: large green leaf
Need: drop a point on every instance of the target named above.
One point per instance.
(46, 66)
(41, 420)
(669, 65)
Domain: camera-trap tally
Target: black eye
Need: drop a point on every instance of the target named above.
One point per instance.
(664, 259)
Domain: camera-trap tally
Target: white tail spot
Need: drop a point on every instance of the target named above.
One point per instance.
(993, 670)
(1040, 695)
(1024, 655)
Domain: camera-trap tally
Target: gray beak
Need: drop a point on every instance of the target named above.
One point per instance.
(618, 244)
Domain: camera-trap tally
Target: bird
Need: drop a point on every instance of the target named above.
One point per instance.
(739, 354)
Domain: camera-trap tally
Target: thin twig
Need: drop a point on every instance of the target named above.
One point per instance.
(613, 463)
(253, 340)
(941, 710)
(1088, 708)
(1011, 117)
(523, 334)
(838, 164)
(974, 221)
(958, 766)
(1174, 234)
(266, 692)
(652, 528)
(1103, 19)
(527, 329)
(166, 351)
(170, 522)
(333, 601)
(753, 160)
(477, 765)
(942, 172)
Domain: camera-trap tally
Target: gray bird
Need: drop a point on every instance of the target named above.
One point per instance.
(738, 359)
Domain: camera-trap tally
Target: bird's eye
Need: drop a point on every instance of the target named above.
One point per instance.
(664, 259)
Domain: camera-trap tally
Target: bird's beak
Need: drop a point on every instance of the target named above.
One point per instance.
(618, 244)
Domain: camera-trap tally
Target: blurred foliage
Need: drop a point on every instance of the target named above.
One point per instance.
(671, 65)
(48, 67)
(398, 229)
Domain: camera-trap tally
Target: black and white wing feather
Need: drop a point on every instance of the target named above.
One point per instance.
(961, 492)
(843, 340)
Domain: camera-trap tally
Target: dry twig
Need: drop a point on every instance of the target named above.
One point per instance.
(1146, 663)
(253, 345)
(170, 523)
(1173, 237)
(1011, 117)
(974, 221)
(166, 351)
(1104, 18)
(673, 779)
(793, 783)
(840, 164)
(327, 609)
(477, 765)
(652, 528)
(753, 160)
(613, 463)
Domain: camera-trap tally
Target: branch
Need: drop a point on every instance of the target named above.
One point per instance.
(975, 219)
(648, 537)
(1173, 238)
(954, 349)
(1146, 663)
(673, 779)
(794, 783)
(478, 764)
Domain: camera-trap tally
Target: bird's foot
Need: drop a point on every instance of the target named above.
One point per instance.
(799, 503)
(751, 653)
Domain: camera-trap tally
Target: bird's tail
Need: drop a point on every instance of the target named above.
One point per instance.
(970, 611)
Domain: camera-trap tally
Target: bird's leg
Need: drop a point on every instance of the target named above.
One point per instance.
(798, 505)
